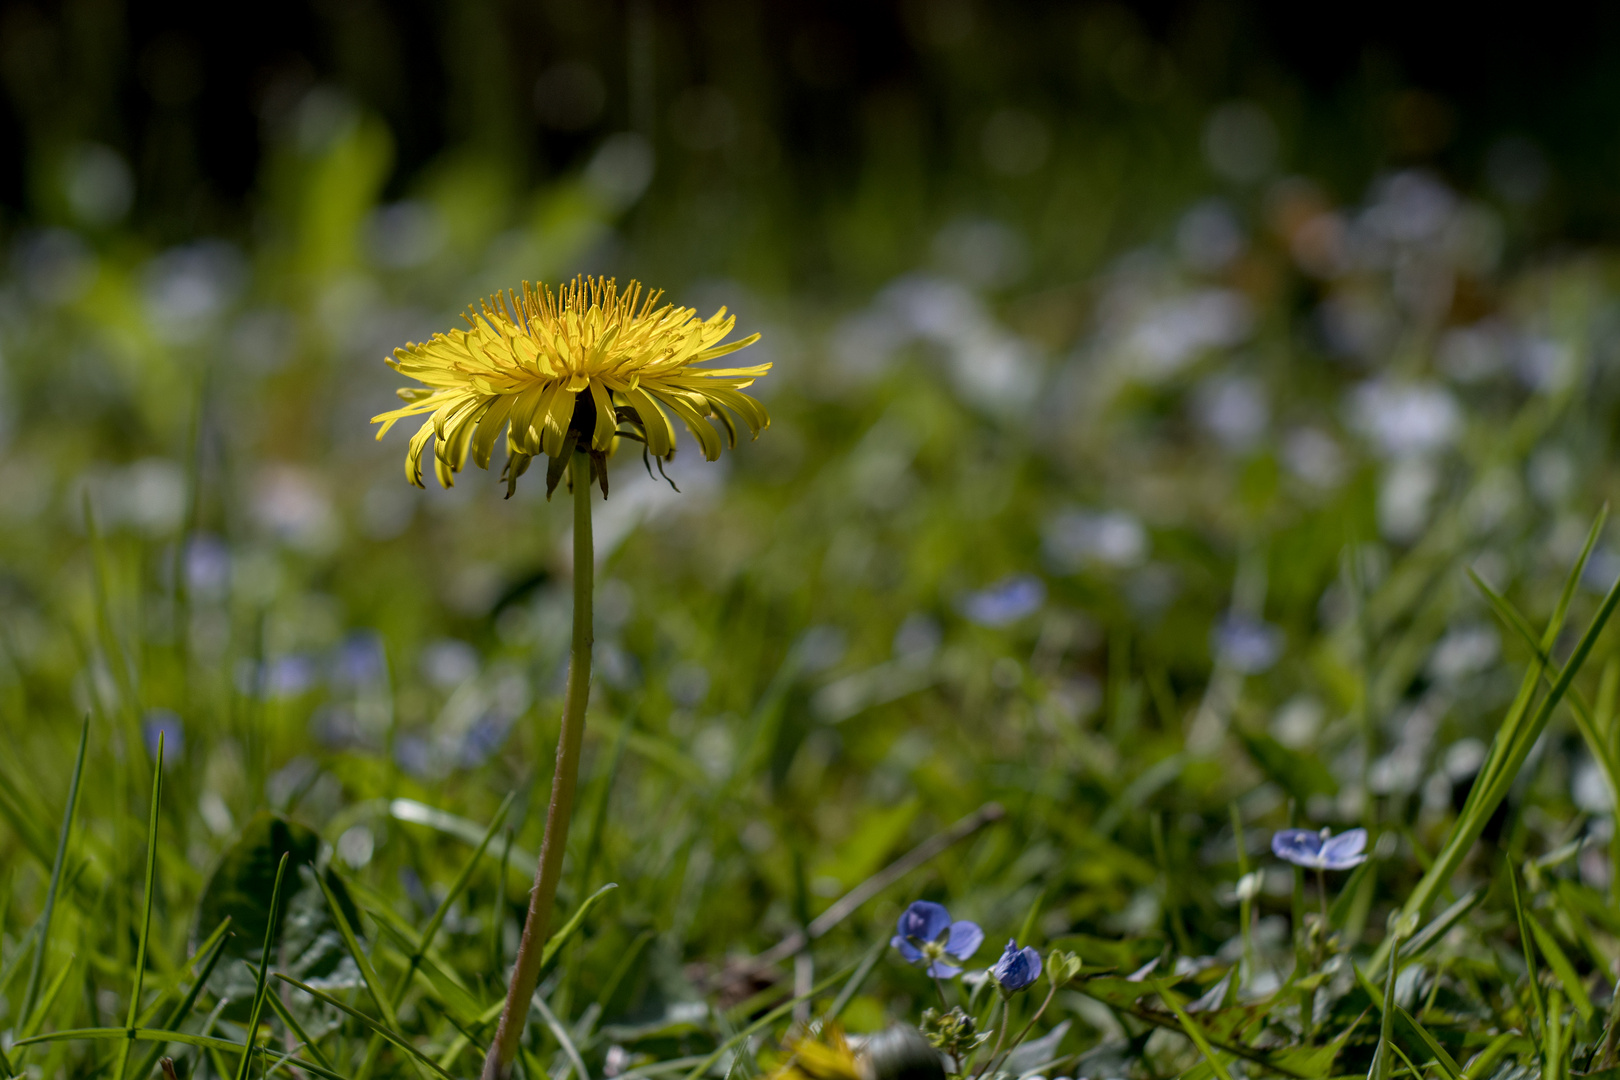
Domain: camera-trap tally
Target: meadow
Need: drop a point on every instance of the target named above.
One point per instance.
(1132, 493)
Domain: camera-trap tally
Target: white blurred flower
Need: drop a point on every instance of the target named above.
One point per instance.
(1074, 538)
(1404, 497)
(1234, 409)
(1315, 457)
(1172, 333)
(186, 290)
(292, 505)
(1405, 419)
(1465, 650)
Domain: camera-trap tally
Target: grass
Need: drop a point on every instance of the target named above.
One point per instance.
(1051, 612)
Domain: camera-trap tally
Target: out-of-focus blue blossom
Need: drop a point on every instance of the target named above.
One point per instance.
(284, 677)
(926, 935)
(1017, 968)
(335, 727)
(208, 567)
(820, 648)
(1246, 643)
(289, 676)
(918, 639)
(1320, 850)
(486, 736)
(415, 755)
(1005, 602)
(360, 661)
(447, 663)
(165, 723)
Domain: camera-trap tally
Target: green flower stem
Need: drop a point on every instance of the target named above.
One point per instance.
(536, 928)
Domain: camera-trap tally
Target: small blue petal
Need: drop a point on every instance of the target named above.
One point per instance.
(1005, 602)
(907, 949)
(941, 970)
(1017, 968)
(1301, 847)
(965, 940)
(1246, 643)
(924, 920)
(1345, 850)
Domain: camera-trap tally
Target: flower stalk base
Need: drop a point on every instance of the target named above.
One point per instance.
(565, 781)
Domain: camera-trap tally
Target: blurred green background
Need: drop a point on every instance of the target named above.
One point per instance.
(1146, 378)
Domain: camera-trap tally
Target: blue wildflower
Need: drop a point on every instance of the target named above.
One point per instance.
(1005, 602)
(1017, 968)
(1246, 643)
(926, 935)
(166, 723)
(1320, 850)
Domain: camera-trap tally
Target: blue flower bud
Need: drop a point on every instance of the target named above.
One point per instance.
(1017, 968)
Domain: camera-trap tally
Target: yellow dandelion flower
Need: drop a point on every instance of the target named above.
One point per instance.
(580, 368)
(819, 1055)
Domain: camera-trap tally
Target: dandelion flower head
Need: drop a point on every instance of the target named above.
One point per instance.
(580, 368)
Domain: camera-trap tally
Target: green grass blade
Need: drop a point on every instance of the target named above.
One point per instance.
(1447, 1064)
(41, 945)
(146, 910)
(261, 985)
(622, 969)
(1381, 1065)
(560, 1033)
(1193, 1031)
(432, 929)
(14, 808)
(48, 998)
(368, 974)
(1591, 726)
(420, 813)
(1483, 1064)
(853, 987)
(183, 1009)
(1425, 938)
(766, 1021)
(296, 1028)
(1559, 961)
(598, 816)
(1509, 751)
(372, 1025)
(1529, 948)
(184, 1038)
(571, 927)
